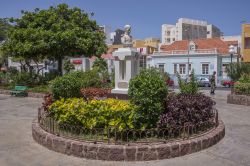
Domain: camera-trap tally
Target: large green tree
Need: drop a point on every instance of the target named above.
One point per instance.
(4, 26)
(53, 34)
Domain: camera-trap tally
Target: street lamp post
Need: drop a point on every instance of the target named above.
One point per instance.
(231, 51)
(188, 48)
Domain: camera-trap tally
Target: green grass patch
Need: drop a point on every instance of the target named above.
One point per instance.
(39, 89)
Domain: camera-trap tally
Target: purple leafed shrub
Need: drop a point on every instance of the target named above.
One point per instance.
(183, 109)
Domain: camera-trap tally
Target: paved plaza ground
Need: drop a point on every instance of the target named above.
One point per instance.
(17, 148)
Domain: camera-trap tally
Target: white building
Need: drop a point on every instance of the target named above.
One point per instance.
(80, 63)
(188, 29)
(204, 56)
(45, 67)
(107, 30)
(234, 40)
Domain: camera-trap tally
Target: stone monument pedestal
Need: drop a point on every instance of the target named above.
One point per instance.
(126, 67)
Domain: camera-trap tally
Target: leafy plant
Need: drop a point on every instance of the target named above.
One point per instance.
(47, 101)
(243, 85)
(148, 90)
(68, 66)
(182, 109)
(95, 113)
(94, 93)
(245, 78)
(242, 88)
(69, 85)
(190, 87)
(235, 70)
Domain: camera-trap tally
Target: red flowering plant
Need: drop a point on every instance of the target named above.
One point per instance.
(47, 101)
(94, 93)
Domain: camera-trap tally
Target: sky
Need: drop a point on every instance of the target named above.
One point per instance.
(147, 16)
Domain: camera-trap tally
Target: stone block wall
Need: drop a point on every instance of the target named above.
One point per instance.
(133, 152)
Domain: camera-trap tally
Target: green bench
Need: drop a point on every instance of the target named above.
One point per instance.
(19, 91)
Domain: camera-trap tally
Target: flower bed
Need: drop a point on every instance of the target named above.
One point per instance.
(150, 116)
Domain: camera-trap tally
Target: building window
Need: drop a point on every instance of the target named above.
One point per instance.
(182, 68)
(173, 39)
(247, 43)
(143, 61)
(168, 40)
(175, 68)
(224, 69)
(205, 68)
(161, 68)
(189, 68)
(168, 33)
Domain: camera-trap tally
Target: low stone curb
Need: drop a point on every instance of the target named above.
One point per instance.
(30, 94)
(238, 99)
(135, 152)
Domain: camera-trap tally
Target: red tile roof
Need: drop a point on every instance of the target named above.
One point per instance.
(214, 43)
(234, 43)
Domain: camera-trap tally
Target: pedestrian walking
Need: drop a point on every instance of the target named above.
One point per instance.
(212, 83)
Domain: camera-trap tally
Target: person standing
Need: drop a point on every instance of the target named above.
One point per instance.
(212, 82)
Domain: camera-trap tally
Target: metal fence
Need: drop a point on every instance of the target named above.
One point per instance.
(113, 135)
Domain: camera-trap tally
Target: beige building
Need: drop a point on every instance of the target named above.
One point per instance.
(246, 42)
(188, 29)
(147, 46)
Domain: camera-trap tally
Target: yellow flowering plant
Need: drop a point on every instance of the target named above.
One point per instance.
(95, 113)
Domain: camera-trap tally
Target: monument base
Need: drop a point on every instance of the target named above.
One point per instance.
(119, 91)
(121, 94)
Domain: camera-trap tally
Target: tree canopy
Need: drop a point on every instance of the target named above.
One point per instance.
(4, 26)
(53, 34)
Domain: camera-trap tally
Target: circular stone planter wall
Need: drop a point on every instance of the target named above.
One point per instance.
(127, 152)
(238, 99)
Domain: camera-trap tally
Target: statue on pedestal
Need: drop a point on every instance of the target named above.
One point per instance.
(126, 37)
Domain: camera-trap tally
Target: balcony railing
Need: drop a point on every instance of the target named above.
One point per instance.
(185, 52)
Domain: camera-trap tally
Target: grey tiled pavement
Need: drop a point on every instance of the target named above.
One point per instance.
(17, 147)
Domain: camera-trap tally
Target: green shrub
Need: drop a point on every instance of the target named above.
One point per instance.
(243, 85)
(148, 91)
(66, 86)
(190, 87)
(68, 66)
(236, 70)
(23, 78)
(95, 113)
(69, 85)
(242, 88)
(245, 78)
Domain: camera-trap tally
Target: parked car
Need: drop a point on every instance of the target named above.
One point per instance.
(203, 81)
(228, 83)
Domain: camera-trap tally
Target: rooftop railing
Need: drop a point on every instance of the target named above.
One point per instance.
(185, 52)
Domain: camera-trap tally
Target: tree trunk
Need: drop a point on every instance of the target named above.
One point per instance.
(60, 66)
